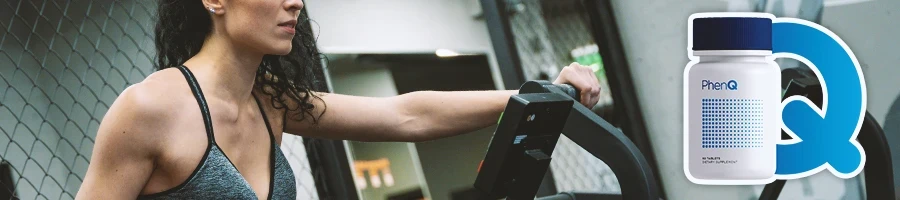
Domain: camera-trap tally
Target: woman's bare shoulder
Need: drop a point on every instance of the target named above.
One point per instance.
(153, 101)
(138, 122)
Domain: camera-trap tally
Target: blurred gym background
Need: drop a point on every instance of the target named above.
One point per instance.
(62, 63)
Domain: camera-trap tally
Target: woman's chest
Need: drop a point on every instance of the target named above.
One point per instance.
(238, 147)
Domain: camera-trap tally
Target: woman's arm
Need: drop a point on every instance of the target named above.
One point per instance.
(415, 116)
(123, 155)
(434, 115)
(424, 115)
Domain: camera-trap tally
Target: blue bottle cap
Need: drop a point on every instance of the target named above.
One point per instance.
(732, 33)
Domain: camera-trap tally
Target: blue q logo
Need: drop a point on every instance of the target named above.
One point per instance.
(824, 138)
(710, 85)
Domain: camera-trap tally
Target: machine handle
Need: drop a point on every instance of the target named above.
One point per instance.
(566, 89)
(542, 86)
(605, 142)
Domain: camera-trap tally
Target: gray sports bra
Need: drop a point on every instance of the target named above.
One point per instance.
(216, 177)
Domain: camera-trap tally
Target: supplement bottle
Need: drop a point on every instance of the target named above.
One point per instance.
(733, 100)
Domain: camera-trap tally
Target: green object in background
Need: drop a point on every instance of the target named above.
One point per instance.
(590, 56)
(583, 60)
(599, 70)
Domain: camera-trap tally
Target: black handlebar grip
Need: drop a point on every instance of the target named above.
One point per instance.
(568, 90)
(542, 86)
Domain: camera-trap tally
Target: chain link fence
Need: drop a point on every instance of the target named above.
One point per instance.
(551, 34)
(62, 64)
(293, 148)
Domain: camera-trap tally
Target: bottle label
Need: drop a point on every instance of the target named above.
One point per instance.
(731, 123)
(724, 85)
(717, 161)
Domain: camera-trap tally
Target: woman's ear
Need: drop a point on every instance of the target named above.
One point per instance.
(214, 6)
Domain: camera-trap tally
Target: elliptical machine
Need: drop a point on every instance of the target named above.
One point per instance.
(519, 153)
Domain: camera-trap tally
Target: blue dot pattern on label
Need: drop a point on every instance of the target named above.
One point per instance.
(732, 123)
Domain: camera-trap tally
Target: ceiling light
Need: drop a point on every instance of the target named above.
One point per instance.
(446, 53)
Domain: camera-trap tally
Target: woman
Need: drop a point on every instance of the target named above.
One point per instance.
(233, 77)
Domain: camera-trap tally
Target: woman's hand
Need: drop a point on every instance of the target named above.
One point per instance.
(584, 80)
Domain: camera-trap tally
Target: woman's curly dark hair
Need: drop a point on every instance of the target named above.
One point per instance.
(289, 80)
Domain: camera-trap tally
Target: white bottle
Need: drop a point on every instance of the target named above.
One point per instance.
(732, 100)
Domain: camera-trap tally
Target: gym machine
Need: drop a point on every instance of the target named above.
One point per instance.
(519, 153)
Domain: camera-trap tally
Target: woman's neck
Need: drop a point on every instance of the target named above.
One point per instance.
(227, 67)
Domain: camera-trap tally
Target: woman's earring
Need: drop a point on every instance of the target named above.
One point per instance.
(212, 10)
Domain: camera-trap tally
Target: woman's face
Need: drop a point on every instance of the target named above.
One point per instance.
(265, 26)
